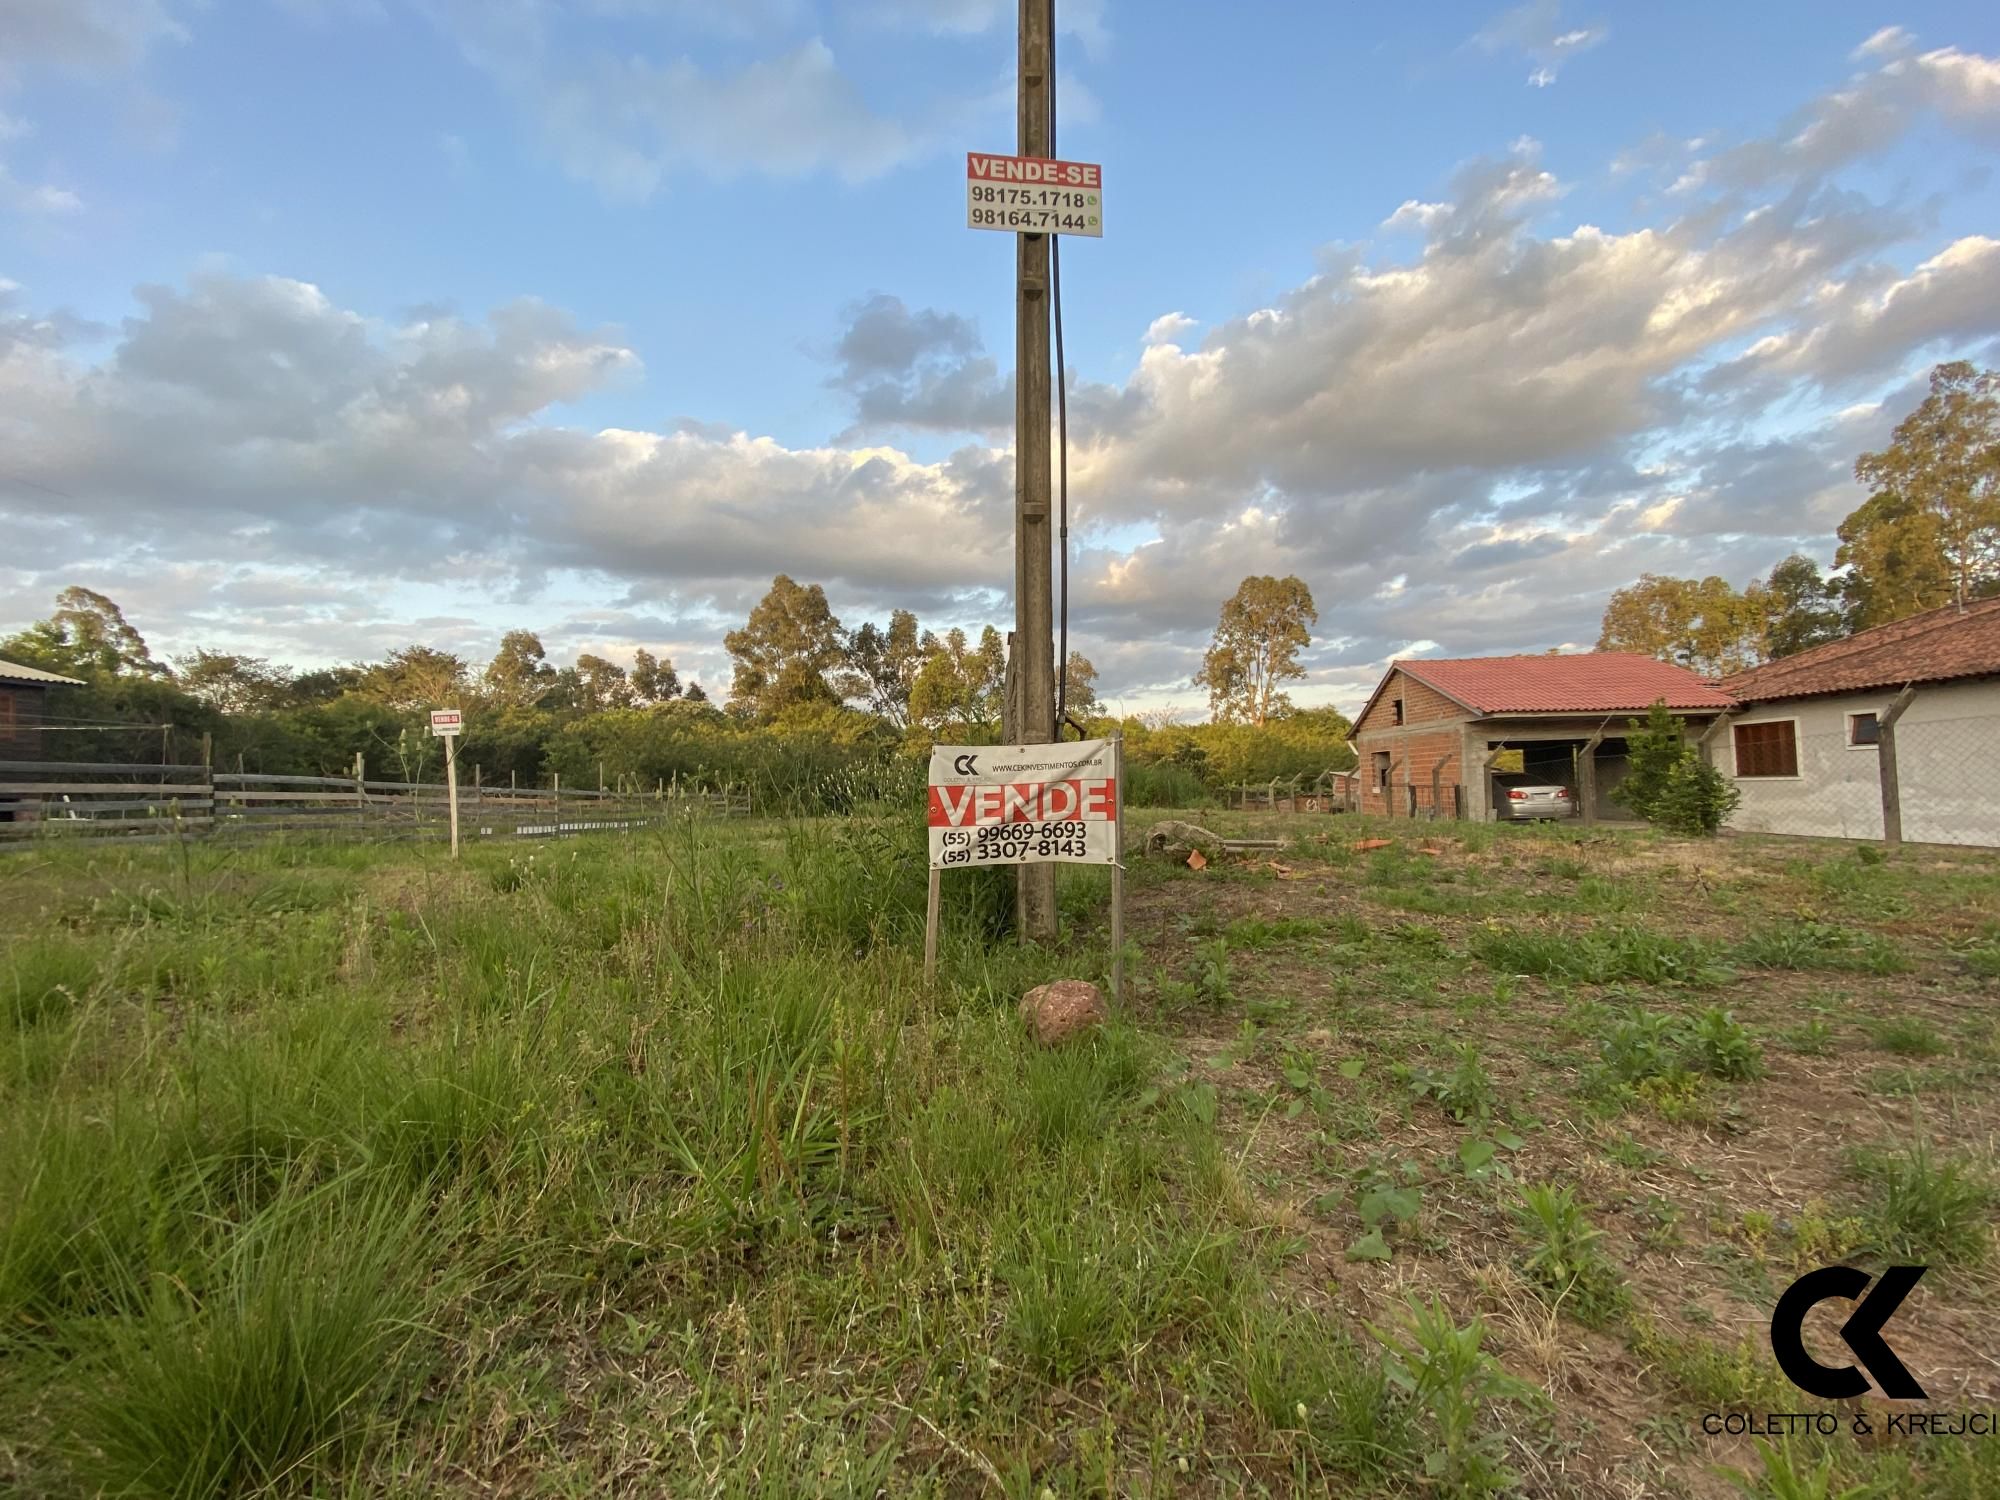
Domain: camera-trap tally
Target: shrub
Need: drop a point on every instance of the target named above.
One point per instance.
(1669, 784)
(1653, 749)
(1696, 800)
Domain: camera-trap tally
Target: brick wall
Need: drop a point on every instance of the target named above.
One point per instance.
(1413, 757)
(1421, 705)
(1414, 747)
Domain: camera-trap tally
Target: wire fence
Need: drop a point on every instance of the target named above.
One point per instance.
(1947, 782)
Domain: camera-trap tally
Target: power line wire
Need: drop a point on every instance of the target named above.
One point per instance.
(1062, 408)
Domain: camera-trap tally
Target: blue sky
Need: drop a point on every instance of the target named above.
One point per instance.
(326, 325)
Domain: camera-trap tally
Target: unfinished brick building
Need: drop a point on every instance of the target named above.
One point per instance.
(1430, 736)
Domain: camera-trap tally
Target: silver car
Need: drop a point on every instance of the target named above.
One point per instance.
(1526, 802)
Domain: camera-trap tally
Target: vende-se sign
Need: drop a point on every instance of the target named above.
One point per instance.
(1034, 195)
(1024, 804)
(445, 721)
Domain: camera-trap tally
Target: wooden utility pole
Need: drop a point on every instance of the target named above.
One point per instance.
(1034, 589)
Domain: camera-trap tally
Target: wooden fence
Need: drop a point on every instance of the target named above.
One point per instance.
(56, 799)
(1330, 791)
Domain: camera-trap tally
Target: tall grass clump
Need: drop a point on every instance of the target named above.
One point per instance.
(45, 978)
(304, 1333)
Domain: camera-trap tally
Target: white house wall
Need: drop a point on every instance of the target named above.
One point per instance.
(1947, 755)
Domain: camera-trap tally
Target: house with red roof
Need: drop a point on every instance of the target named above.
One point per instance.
(1806, 746)
(1446, 738)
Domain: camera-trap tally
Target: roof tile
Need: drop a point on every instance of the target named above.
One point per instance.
(1581, 682)
(1932, 647)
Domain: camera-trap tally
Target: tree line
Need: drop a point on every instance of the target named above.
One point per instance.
(1927, 536)
(811, 703)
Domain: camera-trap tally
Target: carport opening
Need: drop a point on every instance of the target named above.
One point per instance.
(1556, 763)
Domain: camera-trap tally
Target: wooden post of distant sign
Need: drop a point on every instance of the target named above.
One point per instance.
(931, 929)
(445, 725)
(1117, 878)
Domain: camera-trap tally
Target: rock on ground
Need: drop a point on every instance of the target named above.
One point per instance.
(1065, 1008)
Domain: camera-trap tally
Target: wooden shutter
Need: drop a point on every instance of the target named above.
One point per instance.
(1767, 749)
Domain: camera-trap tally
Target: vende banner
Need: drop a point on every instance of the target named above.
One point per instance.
(1034, 195)
(1024, 804)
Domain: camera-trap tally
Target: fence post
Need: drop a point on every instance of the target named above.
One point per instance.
(360, 788)
(208, 778)
(1437, 788)
(1586, 775)
(1892, 790)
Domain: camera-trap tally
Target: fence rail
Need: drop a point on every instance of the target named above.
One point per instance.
(42, 800)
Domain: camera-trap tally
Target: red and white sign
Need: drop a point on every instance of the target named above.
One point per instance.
(446, 721)
(1024, 804)
(1034, 195)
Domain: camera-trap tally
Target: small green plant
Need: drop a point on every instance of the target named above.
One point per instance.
(1820, 945)
(1451, 1381)
(1907, 1036)
(1715, 1043)
(1603, 956)
(1466, 1092)
(1379, 1207)
(1631, 1154)
(1566, 1256)
(1266, 932)
(1788, 1476)
(1211, 973)
(1922, 1206)
(1664, 1058)
(1812, 1038)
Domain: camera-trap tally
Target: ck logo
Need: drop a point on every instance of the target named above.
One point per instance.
(966, 765)
(1862, 1333)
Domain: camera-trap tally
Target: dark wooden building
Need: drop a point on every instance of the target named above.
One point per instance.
(24, 697)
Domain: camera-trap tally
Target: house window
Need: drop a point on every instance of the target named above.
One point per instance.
(7, 730)
(1397, 705)
(1767, 749)
(1863, 730)
(1381, 760)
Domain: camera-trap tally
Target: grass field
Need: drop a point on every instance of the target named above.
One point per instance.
(647, 1167)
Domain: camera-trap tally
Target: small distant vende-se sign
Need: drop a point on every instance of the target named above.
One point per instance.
(1034, 195)
(447, 721)
(1024, 804)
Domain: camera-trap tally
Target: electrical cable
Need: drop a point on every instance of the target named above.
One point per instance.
(1062, 412)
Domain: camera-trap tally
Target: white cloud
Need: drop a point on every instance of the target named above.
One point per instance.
(1535, 31)
(1413, 213)
(1168, 328)
(1890, 41)
(1873, 111)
